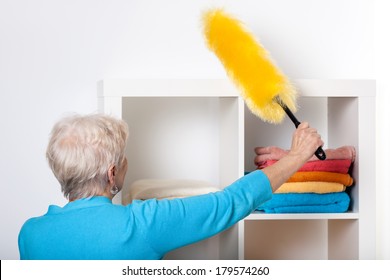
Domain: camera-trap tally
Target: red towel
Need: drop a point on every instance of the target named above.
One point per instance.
(328, 165)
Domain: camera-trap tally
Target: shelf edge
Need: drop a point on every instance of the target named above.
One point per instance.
(303, 216)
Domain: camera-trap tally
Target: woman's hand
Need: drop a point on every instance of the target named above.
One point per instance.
(305, 142)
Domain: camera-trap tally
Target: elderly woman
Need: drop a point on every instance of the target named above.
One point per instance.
(87, 156)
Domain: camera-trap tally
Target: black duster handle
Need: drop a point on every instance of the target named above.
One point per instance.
(320, 154)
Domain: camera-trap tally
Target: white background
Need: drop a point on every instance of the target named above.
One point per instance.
(53, 52)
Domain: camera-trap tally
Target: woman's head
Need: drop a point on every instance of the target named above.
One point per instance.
(83, 149)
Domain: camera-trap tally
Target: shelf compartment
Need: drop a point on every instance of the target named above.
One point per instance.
(314, 239)
(193, 138)
(335, 118)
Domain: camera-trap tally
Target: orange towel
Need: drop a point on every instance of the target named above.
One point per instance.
(311, 187)
(331, 165)
(321, 176)
(276, 153)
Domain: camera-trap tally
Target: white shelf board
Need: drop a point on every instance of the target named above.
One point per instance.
(335, 88)
(226, 88)
(303, 216)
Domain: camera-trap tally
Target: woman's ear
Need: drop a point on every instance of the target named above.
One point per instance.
(111, 175)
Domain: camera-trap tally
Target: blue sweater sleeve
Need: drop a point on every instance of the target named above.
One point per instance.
(169, 224)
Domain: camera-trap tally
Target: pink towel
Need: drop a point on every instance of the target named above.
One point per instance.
(328, 165)
(276, 153)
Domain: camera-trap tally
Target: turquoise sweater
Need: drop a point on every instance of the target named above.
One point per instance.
(94, 228)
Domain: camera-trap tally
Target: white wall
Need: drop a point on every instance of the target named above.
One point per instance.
(52, 53)
(382, 75)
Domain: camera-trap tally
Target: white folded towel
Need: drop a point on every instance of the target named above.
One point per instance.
(165, 188)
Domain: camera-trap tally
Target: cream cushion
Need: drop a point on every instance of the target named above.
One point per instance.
(167, 188)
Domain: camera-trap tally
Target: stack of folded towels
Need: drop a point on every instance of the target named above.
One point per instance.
(318, 186)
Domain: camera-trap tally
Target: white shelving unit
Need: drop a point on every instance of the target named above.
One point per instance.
(201, 129)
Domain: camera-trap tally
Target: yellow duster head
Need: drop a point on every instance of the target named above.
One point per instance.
(249, 65)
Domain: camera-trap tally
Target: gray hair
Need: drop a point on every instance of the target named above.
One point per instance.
(81, 150)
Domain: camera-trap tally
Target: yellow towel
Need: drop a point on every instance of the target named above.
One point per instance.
(321, 176)
(311, 187)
